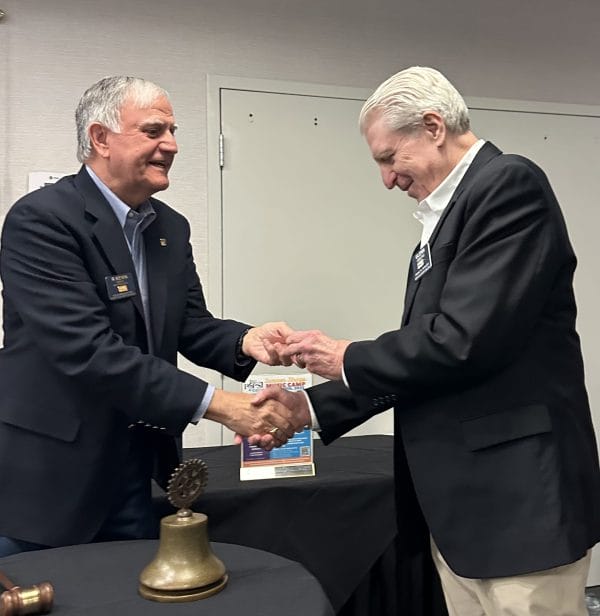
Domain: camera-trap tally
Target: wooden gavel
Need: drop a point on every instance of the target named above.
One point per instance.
(17, 601)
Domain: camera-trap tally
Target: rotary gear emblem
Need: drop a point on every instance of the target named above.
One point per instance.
(187, 483)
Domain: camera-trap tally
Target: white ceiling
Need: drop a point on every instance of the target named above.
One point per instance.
(541, 50)
(546, 50)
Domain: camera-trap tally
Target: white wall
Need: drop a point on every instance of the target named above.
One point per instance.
(51, 50)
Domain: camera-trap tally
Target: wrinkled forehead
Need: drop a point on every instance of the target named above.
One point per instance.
(159, 109)
(160, 102)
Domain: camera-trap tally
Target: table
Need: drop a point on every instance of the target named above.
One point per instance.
(101, 579)
(341, 525)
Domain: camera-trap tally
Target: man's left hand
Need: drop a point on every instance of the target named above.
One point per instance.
(263, 343)
(317, 352)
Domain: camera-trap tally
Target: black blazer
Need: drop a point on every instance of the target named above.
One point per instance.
(75, 370)
(494, 438)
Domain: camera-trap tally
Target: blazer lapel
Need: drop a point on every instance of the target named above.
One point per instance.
(107, 231)
(487, 152)
(411, 287)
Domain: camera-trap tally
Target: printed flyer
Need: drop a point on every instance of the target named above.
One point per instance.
(295, 458)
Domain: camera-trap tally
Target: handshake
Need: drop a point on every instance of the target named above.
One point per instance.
(272, 416)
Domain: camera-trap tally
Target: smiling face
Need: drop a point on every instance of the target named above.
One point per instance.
(134, 163)
(412, 160)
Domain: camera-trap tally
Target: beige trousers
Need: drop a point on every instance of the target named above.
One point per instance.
(553, 592)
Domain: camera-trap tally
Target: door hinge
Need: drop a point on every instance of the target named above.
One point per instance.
(221, 150)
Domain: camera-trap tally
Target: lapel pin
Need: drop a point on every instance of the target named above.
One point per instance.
(163, 241)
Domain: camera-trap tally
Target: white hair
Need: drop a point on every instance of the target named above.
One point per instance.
(103, 102)
(403, 99)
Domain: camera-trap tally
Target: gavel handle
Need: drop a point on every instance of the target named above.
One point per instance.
(6, 582)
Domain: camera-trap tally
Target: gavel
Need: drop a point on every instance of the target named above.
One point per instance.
(17, 601)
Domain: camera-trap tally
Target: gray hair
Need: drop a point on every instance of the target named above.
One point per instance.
(405, 97)
(103, 102)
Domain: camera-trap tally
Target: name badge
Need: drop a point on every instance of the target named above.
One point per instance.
(120, 286)
(422, 262)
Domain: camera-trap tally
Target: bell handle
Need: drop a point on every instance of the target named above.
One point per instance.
(6, 582)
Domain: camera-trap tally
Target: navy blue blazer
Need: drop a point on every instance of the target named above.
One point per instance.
(75, 370)
(494, 441)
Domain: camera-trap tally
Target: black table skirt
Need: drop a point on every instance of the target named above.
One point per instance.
(341, 525)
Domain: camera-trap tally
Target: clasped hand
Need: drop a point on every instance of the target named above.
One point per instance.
(291, 404)
(278, 413)
(277, 344)
(313, 350)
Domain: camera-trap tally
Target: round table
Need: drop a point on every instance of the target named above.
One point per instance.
(102, 579)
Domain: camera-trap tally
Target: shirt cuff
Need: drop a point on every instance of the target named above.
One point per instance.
(344, 377)
(206, 399)
(314, 422)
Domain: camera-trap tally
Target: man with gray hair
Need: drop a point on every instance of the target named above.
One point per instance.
(495, 455)
(100, 295)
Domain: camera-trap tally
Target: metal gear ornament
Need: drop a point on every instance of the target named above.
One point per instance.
(187, 482)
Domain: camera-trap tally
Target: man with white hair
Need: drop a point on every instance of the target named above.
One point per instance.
(495, 455)
(100, 295)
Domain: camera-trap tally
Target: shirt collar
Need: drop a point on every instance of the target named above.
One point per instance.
(119, 207)
(437, 200)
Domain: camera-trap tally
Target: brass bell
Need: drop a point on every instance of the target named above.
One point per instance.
(185, 567)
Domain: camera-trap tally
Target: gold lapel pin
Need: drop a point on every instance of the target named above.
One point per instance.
(163, 241)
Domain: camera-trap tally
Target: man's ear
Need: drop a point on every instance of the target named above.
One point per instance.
(434, 125)
(99, 139)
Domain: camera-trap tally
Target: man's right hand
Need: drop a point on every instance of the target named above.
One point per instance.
(243, 414)
(294, 402)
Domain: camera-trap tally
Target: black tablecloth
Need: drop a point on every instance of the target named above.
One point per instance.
(101, 579)
(340, 525)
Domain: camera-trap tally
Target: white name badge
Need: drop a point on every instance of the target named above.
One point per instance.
(422, 261)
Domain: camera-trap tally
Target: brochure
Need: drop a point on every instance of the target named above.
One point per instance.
(295, 458)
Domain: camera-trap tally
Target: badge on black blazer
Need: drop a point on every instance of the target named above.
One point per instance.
(422, 262)
(120, 286)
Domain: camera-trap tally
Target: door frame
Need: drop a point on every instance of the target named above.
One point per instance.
(215, 84)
